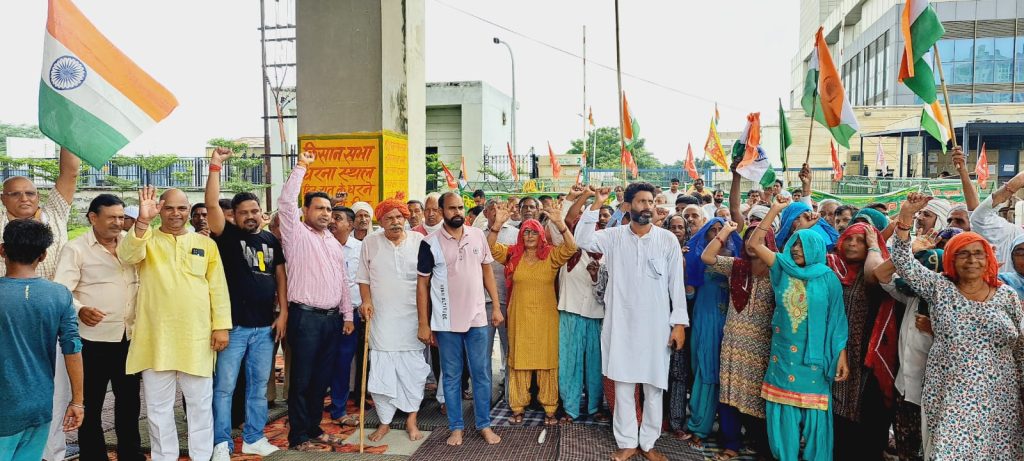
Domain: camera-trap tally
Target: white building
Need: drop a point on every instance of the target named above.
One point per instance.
(471, 120)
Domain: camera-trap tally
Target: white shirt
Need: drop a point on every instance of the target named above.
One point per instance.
(352, 248)
(390, 271)
(999, 232)
(645, 281)
(671, 196)
(913, 348)
(576, 290)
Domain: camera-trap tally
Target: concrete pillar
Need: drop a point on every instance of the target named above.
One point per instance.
(361, 96)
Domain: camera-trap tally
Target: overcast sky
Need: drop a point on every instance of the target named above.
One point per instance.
(207, 53)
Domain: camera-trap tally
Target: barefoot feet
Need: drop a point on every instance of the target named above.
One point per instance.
(653, 455)
(489, 436)
(412, 429)
(456, 438)
(623, 454)
(378, 434)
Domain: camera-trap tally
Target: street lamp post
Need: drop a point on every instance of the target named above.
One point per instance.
(511, 58)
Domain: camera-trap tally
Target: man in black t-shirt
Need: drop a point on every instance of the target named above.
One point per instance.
(254, 268)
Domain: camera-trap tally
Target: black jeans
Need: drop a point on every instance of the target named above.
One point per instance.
(103, 363)
(313, 337)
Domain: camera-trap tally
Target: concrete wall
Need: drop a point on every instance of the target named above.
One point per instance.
(484, 123)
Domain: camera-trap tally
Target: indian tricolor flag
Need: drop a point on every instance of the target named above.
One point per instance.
(92, 98)
(824, 95)
(753, 162)
(921, 28)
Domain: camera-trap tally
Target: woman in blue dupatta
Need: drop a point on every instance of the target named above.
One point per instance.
(799, 215)
(808, 351)
(1014, 278)
(710, 306)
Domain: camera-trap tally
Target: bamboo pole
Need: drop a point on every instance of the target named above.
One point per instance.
(618, 75)
(810, 128)
(945, 94)
(362, 397)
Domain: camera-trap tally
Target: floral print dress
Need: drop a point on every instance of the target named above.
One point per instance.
(975, 371)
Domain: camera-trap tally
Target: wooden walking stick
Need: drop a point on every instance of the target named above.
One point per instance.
(362, 398)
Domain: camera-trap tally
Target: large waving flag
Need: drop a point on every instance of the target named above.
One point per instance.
(627, 120)
(512, 163)
(753, 162)
(713, 147)
(556, 169)
(823, 88)
(93, 99)
(921, 28)
(785, 138)
(691, 167)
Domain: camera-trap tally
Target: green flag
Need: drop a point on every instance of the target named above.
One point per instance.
(785, 138)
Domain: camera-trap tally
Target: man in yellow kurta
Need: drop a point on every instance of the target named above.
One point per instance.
(183, 315)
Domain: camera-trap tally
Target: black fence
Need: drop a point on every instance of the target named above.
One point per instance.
(184, 173)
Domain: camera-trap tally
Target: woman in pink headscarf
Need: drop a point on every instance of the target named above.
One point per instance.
(530, 269)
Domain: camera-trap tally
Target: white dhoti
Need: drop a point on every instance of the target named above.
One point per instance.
(396, 381)
(624, 418)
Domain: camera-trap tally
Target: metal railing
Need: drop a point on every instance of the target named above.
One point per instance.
(184, 173)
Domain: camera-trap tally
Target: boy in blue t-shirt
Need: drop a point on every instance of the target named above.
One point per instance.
(34, 315)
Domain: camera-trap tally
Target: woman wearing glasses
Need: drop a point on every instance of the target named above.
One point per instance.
(975, 371)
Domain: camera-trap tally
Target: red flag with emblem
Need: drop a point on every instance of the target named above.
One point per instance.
(452, 184)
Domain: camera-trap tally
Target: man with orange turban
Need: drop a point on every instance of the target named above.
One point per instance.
(387, 285)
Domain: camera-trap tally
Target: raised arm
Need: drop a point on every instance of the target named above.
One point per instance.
(923, 281)
(970, 192)
(874, 257)
(67, 175)
(132, 249)
(734, 196)
(710, 254)
(805, 180)
(288, 202)
(215, 215)
(501, 216)
(577, 197)
(587, 237)
(756, 240)
(567, 248)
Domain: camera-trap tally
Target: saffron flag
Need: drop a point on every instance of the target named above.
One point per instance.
(627, 120)
(753, 162)
(880, 162)
(556, 169)
(590, 116)
(921, 28)
(824, 94)
(691, 168)
(837, 168)
(448, 177)
(628, 162)
(93, 99)
(785, 138)
(463, 177)
(716, 112)
(512, 163)
(981, 169)
(713, 147)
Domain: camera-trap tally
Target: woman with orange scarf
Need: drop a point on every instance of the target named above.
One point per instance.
(530, 269)
(863, 405)
(972, 400)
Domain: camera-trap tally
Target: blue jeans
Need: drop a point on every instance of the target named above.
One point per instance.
(254, 347)
(347, 347)
(26, 445)
(473, 344)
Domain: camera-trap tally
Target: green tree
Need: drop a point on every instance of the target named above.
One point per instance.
(608, 152)
(433, 170)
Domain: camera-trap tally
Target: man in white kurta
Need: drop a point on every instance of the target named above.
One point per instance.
(998, 231)
(387, 282)
(645, 313)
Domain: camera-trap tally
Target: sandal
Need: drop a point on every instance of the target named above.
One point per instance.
(348, 421)
(330, 439)
(602, 417)
(695, 442)
(682, 435)
(310, 446)
(516, 419)
(550, 420)
(726, 455)
(566, 420)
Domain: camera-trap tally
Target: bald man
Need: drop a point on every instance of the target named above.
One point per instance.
(182, 318)
(21, 201)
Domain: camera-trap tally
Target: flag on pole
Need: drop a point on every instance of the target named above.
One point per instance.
(880, 162)
(753, 162)
(713, 147)
(628, 162)
(556, 169)
(452, 184)
(981, 169)
(627, 120)
(837, 168)
(93, 99)
(785, 137)
(716, 112)
(921, 28)
(590, 115)
(512, 163)
(463, 177)
(691, 167)
(823, 88)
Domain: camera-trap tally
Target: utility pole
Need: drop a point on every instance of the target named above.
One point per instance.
(264, 83)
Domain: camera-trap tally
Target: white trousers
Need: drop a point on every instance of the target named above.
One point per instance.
(158, 387)
(624, 418)
(56, 443)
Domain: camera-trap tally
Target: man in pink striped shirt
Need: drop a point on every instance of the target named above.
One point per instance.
(319, 309)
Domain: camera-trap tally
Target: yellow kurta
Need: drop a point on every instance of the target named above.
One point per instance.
(183, 297)
(533, 309)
